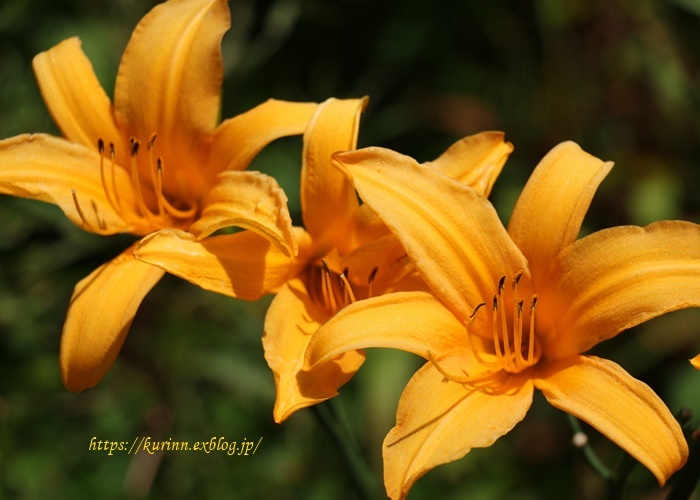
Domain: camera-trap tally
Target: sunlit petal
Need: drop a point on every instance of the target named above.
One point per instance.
(250, 200)
(289, 325)
(46, 168)
(439, 421)
(621, 407)
(239, 139)
(617, 278)
(411, 321)
(244, 265)
(475, 160)
(99, 316)
(169, 80)
(551, 207)
(453, 235)
(333, 128)
(79, 105)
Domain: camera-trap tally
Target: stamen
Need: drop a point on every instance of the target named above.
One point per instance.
(328, 286)
(370, 282)
(136, 182)
(97, 230)
(112, 160)
(507, 354)
(105, 187)
(171, 210)
(494, 328)
(531, 340)
(516, 279)
(518, 335)
(347, 288)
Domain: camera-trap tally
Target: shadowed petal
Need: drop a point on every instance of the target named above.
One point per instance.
(45, 168)
(239, 139)
(551, 207)
(476, 160)
(169, 80)
(250, 200)
(328, 200)
(617, 278)
(621, 407)
(74, 96)
(289, 325)
(411, 321)
(439, 421)
(99, 316)
(452, 234)
(244, 265)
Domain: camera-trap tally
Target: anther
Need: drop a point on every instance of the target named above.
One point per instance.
(476, 309)
(516, 279)
(370, 282)
(501, 284)
(101, 145)
(135, 145)
(152, 140)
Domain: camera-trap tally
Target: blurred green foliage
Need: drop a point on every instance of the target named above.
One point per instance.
(619, 77)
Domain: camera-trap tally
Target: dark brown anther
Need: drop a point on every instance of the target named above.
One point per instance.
(135, 145)
(520, 307)
(501, 284)
(516, 279)
(151, 140)
(476, 309)
(325, 266)
(111, 150)
(372, 275)
(533, 304)
(495, 302)
(101, 145)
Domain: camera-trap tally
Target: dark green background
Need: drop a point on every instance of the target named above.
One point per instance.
(618, 77)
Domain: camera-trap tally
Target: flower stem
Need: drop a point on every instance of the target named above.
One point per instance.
(330, 417)
(591, 456)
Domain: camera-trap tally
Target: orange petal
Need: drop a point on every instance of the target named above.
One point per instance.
(382, 261)
(411, 321)
(366, 226)
(696, 362)
(439, 421)
(239, 139)
(99, 316)
(328, 200)
(617, 278)
(45, 168)
(452, 234)
(78, 103)
(250, 200)
(549, 212)
(243, 265)
(290, 323)
(621, 407)
(169, 80)
(476, 160)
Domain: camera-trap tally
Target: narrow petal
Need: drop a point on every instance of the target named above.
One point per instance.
(452, 234)
(250, 200)
(99, 316)
(169, 80)
(45, 168)
(78, 103)
(439, 421)
(617, 278)
(696, 362)
(290, 323)
(411, 321)
(551, 207)
(244, 265)
(328, 200)
(476, 160)
(239, 139)
(621, 407)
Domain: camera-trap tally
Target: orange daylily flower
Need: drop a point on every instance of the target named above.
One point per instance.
(345, 254)
(154, 159)
(513, 310)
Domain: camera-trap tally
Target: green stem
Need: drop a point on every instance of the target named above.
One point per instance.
(588, 452)
(331, 419)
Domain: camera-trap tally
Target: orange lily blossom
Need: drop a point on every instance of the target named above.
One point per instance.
(154, 159)
(345, 254)
(513, 310)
